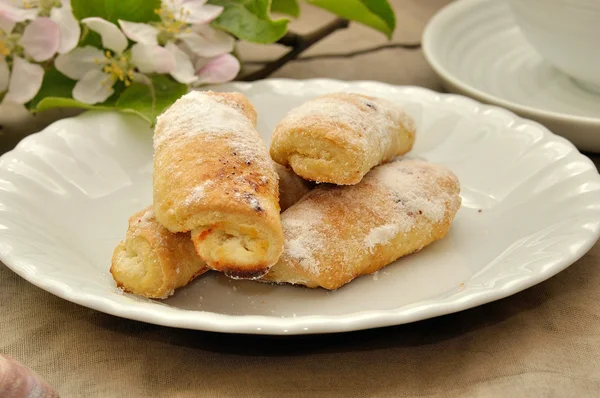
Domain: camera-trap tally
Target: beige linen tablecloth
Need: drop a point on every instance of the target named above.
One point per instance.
(543, 342)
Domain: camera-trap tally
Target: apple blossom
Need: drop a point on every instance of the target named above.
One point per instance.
(97, 71)
(59, 18)
(185, 34)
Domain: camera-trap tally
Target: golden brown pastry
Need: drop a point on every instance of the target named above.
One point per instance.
(153, 262)
(213, 176)
(291, 187)
(335, 233)
(339, 137)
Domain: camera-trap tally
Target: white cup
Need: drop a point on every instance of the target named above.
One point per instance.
(566, 33)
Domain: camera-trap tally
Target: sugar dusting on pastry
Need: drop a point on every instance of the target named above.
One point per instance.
(197, 113)
(336, 233)
(338, 137)
(197, 193)
(302, 237)
(414, 188)
(415, 192)
(381, 235)
(220, 120)
(371, 118)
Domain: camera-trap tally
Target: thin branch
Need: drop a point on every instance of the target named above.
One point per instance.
(406, 46)
(301, 44)
(290, 39)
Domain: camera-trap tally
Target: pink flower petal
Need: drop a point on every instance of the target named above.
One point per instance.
(208, 42)
(140, 32)
(152, 58)
(4, 75)
(10, 15)
(112, 37)
(40, 39)
(220, 69)
(25, 81)
(69, 29)
(77, 63)
(184, 70)
(93, 88)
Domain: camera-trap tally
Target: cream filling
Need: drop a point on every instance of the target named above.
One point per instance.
(223, 247)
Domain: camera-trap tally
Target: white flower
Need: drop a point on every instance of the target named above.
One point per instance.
(22, 83)
(59, 18)
(189, 11)
(185, 34)
(97, 71)
(20, 86)
(20, 80)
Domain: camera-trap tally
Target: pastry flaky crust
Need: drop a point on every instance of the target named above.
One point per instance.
(153, 262)
(291, 187)
(335, 234)
(213, 176)
(337, 138)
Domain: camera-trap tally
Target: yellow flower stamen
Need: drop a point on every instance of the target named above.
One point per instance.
(172, 24)
(4, 46)
(117, 68)
(4, 50)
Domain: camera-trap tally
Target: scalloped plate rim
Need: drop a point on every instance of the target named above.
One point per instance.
(313, 324)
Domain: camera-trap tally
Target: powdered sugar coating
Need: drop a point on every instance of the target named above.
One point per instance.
(147, 218)
(197, 193)
(303, 238)
(381, 235)
(336, 233)
(143, 223)
(211, 132)
(415, 189)
(370, 121)
(197, 113)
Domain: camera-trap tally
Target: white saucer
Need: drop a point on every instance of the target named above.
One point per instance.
(477, 50)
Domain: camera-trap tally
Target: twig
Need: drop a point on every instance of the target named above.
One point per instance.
(406, 46)
(290, 39)
(299, 44)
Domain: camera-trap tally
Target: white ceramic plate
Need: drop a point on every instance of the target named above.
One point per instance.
(477, 50)
(66, 194)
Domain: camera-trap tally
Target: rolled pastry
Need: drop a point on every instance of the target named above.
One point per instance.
(335, 234)
(213, 176)
(153, 262)
(339, 137)
(291, 187)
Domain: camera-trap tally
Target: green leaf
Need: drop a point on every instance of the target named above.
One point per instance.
(149, 101)
(288, 7)
(113, 10)
(56, 92)
(59, 102)
(378, 14)
(250, 20)
(55, 84)
(146, 101)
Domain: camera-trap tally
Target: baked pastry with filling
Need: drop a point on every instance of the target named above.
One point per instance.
(337, 138)
(336, 233)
